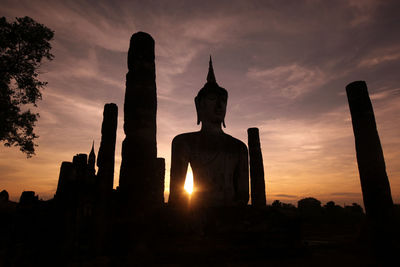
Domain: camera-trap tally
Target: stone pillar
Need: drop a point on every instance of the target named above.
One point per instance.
(159, 185)
(256, 169)
(371, 164)
(66, 182)
(80, 163)
(106, 155)
(105, 177)
(139, 150)
(66, 200)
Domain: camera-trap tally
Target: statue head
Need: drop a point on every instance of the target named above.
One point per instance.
(211, 100)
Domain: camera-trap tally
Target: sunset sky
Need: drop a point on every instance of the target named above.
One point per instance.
(285, 65)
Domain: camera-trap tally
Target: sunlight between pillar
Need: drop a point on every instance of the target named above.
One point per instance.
(189, 181)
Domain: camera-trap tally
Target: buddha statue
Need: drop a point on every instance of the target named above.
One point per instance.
(219, 161)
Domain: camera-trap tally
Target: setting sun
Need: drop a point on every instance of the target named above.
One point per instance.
(189, 181)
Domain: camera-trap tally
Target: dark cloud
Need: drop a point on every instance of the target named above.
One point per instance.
(285, 196)
(346, 194)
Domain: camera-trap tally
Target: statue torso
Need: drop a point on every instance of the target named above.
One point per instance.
(214, 159)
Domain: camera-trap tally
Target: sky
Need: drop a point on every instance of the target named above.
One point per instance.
(285, 65)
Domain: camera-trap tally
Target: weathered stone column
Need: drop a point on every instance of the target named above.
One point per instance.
(106, 156)
(80, 163)
(105, 177)
(256, 169)
(159, 185)
(371, 164)
(66, 182)
(139, 149)
(66, 199)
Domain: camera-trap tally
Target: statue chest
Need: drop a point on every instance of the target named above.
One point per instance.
(213, 152)
(214, 163)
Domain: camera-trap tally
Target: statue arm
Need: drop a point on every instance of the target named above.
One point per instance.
(179, 164)
(242, 174)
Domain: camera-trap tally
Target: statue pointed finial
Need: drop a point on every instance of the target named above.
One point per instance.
(210, 75)
(92, 150)
(92, 159)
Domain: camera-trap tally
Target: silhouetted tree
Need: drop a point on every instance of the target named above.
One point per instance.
(309, 207)
(354, 208)
(288, 206)
(23, 45)
(331, 206)
(277, 204)
(334, 213)
(4, 197)
(309, 203)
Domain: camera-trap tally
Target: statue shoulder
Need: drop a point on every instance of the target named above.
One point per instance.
(237, 143)
(184, 138)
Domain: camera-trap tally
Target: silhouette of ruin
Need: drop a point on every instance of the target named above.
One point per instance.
(90, 223)
(258, 197)
(139, 149)
(105, 177)
(371, 165)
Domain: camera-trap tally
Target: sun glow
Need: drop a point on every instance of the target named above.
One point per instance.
(189, 181)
